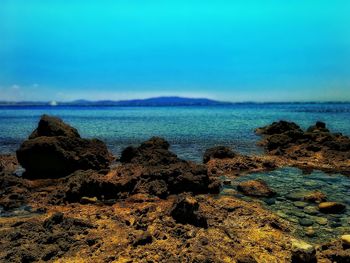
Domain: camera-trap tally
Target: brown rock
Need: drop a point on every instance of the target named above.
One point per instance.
(331, 207)
(185, 210)
(163, 173)
(278, 128)
(55, 150)
(315, 196)
(318, 127)
(51, 126)
(151, 152)
(219, 152)
(257, 188)
(143, 239)
(303, 252)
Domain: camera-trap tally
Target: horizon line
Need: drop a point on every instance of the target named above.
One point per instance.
(178, 97)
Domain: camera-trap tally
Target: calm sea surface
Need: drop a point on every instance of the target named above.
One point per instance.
(190, 130)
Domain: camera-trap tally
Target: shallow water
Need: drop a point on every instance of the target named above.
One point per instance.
(286, 181)
(190, 130)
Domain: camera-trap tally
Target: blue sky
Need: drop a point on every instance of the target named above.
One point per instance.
(230, 50)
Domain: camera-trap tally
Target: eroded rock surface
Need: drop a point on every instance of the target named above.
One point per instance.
(8, 163)
(55, 149)
(218, 152)
(257, 188)
(315, 148)
(186, 210)
(36, 241)
(150, 168)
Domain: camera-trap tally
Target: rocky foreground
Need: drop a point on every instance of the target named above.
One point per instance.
(75, 202)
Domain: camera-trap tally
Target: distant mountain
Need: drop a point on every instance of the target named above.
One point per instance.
(158, 101)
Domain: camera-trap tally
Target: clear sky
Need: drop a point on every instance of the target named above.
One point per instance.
(248, 50)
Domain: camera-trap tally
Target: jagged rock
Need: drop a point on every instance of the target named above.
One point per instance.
(160, 176)
(219, 152)
(51, 126)
(185, 210)
(92, 185)
(278, 141)
(278, 128)
(317, 144)
(143, 239)
(13, 191)
(58, 219)
(163, 173)
(318, 127)
(257, 188)
(303, 252)
(151, 152)
(331, 207)
(55, 150)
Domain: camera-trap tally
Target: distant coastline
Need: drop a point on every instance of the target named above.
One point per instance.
(153, 102)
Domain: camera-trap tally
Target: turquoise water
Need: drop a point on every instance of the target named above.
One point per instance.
(190, 130)
(287, 182)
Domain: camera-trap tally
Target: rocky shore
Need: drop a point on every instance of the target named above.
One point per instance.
(76, 202)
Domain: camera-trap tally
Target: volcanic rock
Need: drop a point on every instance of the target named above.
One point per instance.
(316, 147)
(151, 152)
(151, 169)
(51, 126)
(185, 210)
(278, 128)
(257, 188)
(13, 191)
(55, 149)
(219, 152)
(143, 239)
(163, 173)
(318, 127)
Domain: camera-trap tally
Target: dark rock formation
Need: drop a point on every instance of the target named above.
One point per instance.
(317, 143)
(148, 169)
(34, 241)
(13, 191)
(151, 152)
(278, 128)
(55, 149)
(91, 184)
(163, 173)
(256, 188)
(185, 210)
(52, 126)
(143, 239)
(318, 127)
(219, 152)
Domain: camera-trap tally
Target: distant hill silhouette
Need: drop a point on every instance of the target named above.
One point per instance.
(158, 101)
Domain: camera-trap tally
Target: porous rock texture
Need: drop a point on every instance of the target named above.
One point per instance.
(56, 149)
(315, 148)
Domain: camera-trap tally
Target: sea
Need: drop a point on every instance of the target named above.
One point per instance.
(189, 129)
